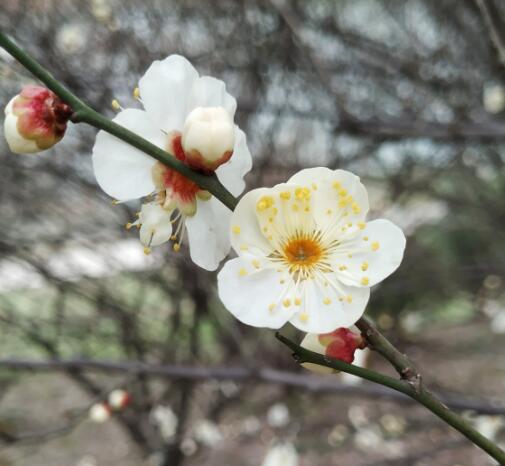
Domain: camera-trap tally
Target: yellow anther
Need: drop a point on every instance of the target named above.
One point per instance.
(136, 93)
(147, 251)
(349, 255)
(342, 192)
(295, 207)
(307, 209)
(271, 219)
(128, 225)
(365, 281)
(364, 266)
(275, 211)
(340, 298)
(361, 225)
(314, 186)
(115, 104)
(236, 229)
(356, 208)
(349, 224)
(244, 247)
(242, 272)
(256, 263)
(173, 237)
(348, 298)
(286, 302)
(271, 307)
(326, 301)
(375, 245)
(329, 212)
(365, 238)
(298, 301)
(176, 247)
(265, 229)
(302, 194)
(337, 185)
(285, 195)
(304, 317)
(270, 237)
(264, 203)
(282, 281)
(342, 267)
(115, 202)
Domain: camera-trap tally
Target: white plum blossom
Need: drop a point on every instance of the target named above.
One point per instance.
(179, 105)
(281, 455)
(306, 253)
(119, 399)
(99, 413)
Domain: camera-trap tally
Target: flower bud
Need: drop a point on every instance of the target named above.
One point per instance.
(99, 413)
(339, 344)
(208, 137)
(35, 120)
(342, 344)
(119, 399)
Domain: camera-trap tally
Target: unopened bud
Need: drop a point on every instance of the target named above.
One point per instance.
(99, 413)
(208, 137)
(119, 399)
(340, 344)
(35, 120)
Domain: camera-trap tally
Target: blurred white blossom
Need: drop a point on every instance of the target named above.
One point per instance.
(278, 415)
(166, 420)
(207, 433)
(281, 455)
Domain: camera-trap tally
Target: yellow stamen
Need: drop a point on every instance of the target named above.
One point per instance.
(236, 229)
(365, 281)
(375, 246)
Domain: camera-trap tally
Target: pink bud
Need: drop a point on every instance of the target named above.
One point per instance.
(35, 120)
(119, 399)
(342, 344)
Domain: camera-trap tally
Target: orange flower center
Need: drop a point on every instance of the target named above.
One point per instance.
(303, 252)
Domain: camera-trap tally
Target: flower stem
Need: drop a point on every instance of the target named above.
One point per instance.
(413, 390)
(410, 382)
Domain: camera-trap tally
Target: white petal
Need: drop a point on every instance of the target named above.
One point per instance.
(326, 197)
(248, 297)
(166, 90)
(245, 230)
(311, 342)
(314, 316)
(121, 170)
(17, 143)
(231, 174)
(208, 233)
(156, 227)
(211, 92)
(380, 263)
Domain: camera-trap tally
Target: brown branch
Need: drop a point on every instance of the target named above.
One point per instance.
(312, 383)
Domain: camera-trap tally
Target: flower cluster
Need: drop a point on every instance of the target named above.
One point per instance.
(306, 253)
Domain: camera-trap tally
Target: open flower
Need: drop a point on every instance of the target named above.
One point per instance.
(191, 117)
(35, 120)
(306, 254)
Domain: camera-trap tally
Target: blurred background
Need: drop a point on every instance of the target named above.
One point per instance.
(408, 95)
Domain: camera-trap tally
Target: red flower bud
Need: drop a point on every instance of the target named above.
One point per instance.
(35, 120)
(342, 344)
